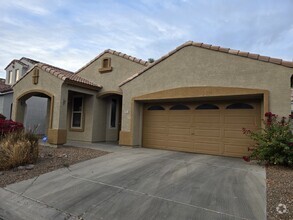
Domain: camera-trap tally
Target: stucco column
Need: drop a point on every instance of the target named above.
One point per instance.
(137, 124)
(57, 132)
(18, 110)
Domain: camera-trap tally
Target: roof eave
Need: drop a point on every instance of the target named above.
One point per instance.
(6, 92)
(17, 61)
(82, 85)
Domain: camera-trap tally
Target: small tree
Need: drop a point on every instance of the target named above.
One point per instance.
(151, 60)
(273, 143)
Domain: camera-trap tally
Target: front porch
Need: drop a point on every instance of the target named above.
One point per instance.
(75, 111)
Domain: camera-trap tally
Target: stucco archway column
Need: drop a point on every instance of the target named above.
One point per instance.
(57, 132)
(18, 111)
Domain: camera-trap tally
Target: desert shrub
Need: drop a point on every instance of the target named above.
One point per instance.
(274, 142)
(18, 148)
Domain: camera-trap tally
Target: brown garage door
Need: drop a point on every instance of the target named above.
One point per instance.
(209, 128)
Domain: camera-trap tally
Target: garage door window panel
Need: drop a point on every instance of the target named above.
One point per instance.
(156, 108)
(179, 107)
(239, 106)
(207, 107)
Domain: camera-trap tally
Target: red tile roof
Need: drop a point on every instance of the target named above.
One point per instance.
(123, 55)
(215, 48)
(4, 87)
(65, 75)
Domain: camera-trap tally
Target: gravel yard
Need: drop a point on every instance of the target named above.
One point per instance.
(279, 192)
(50, 159)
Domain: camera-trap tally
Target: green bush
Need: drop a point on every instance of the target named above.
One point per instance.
(273, 143)
(18, 148)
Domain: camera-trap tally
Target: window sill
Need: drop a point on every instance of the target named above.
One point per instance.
(76, 129)
(105, 70)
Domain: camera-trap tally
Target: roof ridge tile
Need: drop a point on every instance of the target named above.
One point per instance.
(117, 53)
(233, 51)
(253, 56)
(263, 58)
(224, 49)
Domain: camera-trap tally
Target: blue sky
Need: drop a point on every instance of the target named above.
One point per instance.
(69, 33)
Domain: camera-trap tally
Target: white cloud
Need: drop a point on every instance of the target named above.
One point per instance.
(70, 33)
(31, 6)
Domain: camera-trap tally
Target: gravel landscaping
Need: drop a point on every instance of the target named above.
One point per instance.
(49, 159)
(279, 192)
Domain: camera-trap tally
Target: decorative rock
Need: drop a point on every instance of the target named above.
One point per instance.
(29, 167)
(50, 155)
(63, 155)
(21, 168)
(1, 173)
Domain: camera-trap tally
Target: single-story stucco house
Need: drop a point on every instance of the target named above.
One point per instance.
(197, 98)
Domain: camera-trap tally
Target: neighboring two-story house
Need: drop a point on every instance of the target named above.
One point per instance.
(35, 107)
(6, 97)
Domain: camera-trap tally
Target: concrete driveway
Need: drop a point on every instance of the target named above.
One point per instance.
(137, 183)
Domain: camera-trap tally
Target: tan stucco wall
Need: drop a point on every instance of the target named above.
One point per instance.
(99, 120)
(47, 83)
(122, 69)
(101, 127)
(192, 67)
(89, 110)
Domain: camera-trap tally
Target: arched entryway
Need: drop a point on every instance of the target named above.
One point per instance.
(35, 102)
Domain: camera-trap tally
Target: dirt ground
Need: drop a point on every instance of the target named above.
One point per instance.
(279, 192)
(50, 159)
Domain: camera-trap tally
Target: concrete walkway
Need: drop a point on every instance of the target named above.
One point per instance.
(138, 183)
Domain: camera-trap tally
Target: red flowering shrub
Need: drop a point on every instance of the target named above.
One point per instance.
(8, 126)
(273, 143)
(246, 158)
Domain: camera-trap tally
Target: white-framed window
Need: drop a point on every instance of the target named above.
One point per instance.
(17, 75)
(113, 113)
(10, 77)
(77, 112)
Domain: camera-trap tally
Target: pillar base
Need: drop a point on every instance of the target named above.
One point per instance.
(125, 138)
(57, 136)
